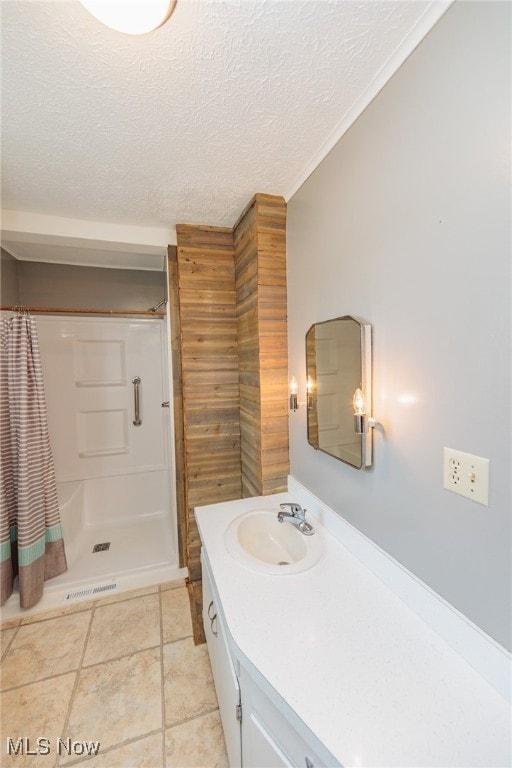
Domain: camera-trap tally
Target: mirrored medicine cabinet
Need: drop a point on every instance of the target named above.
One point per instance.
(338, 364)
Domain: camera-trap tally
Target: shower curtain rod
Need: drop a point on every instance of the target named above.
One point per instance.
(72, 311)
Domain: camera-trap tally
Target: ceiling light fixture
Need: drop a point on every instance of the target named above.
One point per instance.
(133, 17)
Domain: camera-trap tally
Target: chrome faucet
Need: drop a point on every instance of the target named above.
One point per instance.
(294, 514)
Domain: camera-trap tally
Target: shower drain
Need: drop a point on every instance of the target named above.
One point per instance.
(101, 547)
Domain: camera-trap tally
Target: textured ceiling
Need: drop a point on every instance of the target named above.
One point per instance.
(186, 123)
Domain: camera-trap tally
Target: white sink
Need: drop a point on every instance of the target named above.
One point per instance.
(261, 543)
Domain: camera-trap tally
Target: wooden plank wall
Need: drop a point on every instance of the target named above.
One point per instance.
(246, 275)
(179, 445)
(209, 363)
(230, 314)
(260, 272)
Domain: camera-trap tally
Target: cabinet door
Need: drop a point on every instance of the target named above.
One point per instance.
(259, 748)
(224, 675)
(269, 740)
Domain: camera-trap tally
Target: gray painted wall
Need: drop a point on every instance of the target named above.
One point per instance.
(406, 224)
(9, 289)
(63, 285)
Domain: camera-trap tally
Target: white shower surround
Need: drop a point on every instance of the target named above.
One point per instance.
(133, 507)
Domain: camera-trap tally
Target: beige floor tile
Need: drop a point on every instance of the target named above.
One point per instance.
(31, 712)
(176, 619)
(123, 628)
(67, 610)
(44, 649)
(198, 743)
(144, 753)
(172, 585)
(118, 700)
(188, 681)
(9, 623)
(118, 597)
(7, 636)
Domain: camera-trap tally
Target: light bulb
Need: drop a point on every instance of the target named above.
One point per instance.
(309, 385)
(359, 402)
(133, 17)
(294, 388)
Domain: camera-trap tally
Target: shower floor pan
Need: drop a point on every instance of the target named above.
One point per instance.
(141, 554)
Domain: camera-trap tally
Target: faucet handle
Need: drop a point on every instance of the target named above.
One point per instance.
(294, 508)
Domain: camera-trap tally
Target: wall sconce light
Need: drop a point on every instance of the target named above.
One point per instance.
(133, 18)
(310, 385)
(293, 394)
(362, 422)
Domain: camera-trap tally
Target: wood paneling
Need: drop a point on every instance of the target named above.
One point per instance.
(233, 362)
(246, 278)
(209, 374)
(179, 444)
(260, 273)
(195, 596)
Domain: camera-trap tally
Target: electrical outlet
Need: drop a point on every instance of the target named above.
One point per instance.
(467, 475)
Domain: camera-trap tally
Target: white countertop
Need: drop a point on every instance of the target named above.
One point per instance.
(373, 682)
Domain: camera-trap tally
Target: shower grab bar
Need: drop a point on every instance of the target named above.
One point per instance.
(136, 383)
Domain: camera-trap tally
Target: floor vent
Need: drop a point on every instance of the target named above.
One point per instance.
(91, 591)
(101, 547)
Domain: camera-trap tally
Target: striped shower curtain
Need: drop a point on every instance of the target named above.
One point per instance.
(31, 543)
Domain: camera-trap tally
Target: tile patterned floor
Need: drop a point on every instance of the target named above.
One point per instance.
(122, 671)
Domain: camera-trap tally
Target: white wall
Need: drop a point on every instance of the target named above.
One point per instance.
(406, 224)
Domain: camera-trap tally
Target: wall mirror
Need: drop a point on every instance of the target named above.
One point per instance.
(338, 362)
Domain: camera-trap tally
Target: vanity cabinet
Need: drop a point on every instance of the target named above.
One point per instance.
(224, 673)
(326, 677)
(260, 729)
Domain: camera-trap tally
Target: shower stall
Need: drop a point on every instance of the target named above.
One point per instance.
(108, 396)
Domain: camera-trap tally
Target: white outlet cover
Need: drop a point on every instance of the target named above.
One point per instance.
(467, 475)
